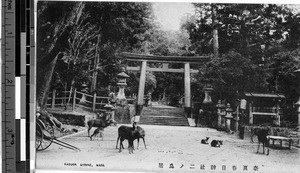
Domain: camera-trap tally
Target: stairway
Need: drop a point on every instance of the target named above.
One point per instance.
(164, 115)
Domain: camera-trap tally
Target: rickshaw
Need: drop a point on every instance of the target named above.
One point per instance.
(45, 127)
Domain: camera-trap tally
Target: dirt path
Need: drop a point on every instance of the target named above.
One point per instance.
(177, 148)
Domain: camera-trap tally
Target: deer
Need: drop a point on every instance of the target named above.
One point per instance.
(216, 143)
(262, 138)
(100, 123)
(130, 133)
(205, 141)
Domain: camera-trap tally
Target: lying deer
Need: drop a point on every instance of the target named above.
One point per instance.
(205, 141)
(216, 143)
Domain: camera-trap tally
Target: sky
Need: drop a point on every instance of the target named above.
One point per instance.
(170, 13)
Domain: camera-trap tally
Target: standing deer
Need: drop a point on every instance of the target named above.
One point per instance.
(262, 138)
(100, 124)
(130, 133)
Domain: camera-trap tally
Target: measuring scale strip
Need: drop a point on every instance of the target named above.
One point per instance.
(8, 86)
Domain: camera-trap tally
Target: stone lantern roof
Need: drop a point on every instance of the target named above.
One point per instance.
(220, 104)
(123, 75)
(108, 106)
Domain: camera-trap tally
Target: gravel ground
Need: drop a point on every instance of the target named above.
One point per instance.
(179, 149)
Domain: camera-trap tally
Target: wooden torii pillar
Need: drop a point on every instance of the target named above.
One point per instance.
(140, 101)
(187, 90)
(186, 60)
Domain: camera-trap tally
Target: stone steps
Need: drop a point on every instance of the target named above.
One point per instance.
(163, 116)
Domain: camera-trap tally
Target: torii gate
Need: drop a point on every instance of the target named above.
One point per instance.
(186, 60)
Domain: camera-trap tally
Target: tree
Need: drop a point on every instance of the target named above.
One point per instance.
(292, 26)
(241, 27)
(67, 36)
(118, 24)
(260, 37)
(54, 27)
(232, 74)
(283, 79)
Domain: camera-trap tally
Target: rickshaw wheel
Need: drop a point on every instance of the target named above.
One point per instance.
(39, 136)
(48, 136)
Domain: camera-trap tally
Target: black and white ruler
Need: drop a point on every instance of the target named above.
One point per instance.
(17, 97)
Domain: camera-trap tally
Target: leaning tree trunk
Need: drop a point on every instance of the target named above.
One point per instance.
(43, 82)
(46, 64)
(71, 91)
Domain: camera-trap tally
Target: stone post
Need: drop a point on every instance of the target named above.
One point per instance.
(277, 122)
(74, 99)
(250, 113)
(220, 110)
(236, 119)
(228, 117)
(223, 114)
(94, 101)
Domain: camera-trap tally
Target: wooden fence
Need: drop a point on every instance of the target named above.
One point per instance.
(77, 98)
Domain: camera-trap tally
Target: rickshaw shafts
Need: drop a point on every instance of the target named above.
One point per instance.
(66, 145)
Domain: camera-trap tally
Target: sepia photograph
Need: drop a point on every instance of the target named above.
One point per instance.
(167, 86)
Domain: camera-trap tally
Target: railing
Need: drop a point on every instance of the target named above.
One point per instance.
(77, 98)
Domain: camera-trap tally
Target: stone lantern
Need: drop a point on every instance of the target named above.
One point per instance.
(207, 105)
(207, 91)
(121, 99)
(83, 90)
(228, 117)
(109, 110)
(297, 72)
(220, 112)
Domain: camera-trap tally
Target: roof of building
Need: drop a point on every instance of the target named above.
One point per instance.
(264, 95)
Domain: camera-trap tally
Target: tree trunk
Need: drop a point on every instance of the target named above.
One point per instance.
(46, 64)
(72, 88)
(43, 82)
(96, 61)
(65, 96)
(215, 32)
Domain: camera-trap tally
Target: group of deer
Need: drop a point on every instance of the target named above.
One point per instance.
(137, 132)
(262, 137)
(124, 132)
